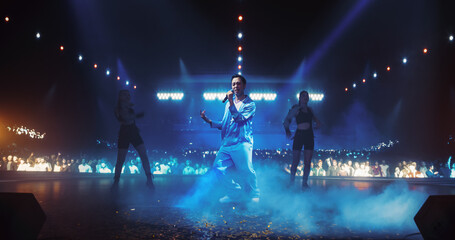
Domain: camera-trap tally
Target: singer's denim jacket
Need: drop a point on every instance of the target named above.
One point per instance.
(237, 125)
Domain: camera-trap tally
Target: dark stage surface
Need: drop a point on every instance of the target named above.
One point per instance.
(84, 207)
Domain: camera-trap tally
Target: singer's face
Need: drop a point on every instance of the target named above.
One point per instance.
(237, 86)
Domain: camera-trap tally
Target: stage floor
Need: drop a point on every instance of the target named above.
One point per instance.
(82, 206)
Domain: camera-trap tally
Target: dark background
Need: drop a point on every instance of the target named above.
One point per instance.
(323, 46)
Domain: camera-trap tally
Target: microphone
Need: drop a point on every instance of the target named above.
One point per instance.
(226, 98)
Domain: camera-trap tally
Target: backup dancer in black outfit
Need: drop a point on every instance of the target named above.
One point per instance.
(129, 133)
(304, 136)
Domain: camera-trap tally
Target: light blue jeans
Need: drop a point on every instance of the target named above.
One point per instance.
(233, 166)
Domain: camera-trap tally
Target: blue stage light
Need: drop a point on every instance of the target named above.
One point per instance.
(239, 59)
(210, 96)
(79, 57)
(240, 35)
(38, 35)
(239, 73)
(375, 75)
(313, 96)
(263, 96)
(170, 96)
(354, 85)
(108, 72)
(451, 38)
(127, 83)
(405, 60)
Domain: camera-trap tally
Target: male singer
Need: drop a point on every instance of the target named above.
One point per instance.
(233, 164)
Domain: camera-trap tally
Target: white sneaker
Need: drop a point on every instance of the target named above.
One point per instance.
(225, 199)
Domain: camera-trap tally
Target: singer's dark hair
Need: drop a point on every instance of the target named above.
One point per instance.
(239, 76)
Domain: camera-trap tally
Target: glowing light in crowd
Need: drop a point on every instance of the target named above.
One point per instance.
(118, 78)
(375, 75)
(26, 132)
(314, 96)
(38, 35)
(364, 80)
(7, 19)
(425, 50)
(61, 48)
(405, 60)
(451, 38)
(240, 67)
(240, 18)
(127, 83)
(108, 72)
(240, 48)
(80, 58)
(171, 95)
(210, 96)
(388, 68)
(95, 65)
(262, 96)
(240, 35)
(239, 59)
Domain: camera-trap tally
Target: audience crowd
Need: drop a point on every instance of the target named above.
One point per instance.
(336, 163)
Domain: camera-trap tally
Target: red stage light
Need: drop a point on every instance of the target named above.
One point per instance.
(61, 48)
(95, 65)
(388, 68)
(240, 18)
(425, 50)
(6, 19)
(364, 80)
(346, 89)
(118, 77)
(240, 67)
(240, 48)
(134, 86)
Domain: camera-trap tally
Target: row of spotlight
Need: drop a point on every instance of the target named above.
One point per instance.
(81, 58)
(211, 96)
(240, 48)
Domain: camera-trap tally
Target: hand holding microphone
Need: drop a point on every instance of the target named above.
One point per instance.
(229, 94)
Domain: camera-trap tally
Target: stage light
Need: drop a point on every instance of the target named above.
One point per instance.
(38, 35)
(313, 96)
(240, 67)
(345, 89)
(388, 68)
(364, 80)
(425, 50)
(79, 58)
(354, 85)
(451, 38)
(118, 78)
(240, 73)
(240, 48)
(108, 72)
(239, 59)
(61, 48)
(134, 86)
(240, 35)
(240, 18)
(170, 95)
(95, 65)
(7, 19)
(210, 96)
(375, 75)
(405, 60)
(127, 83)
(263, 96)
